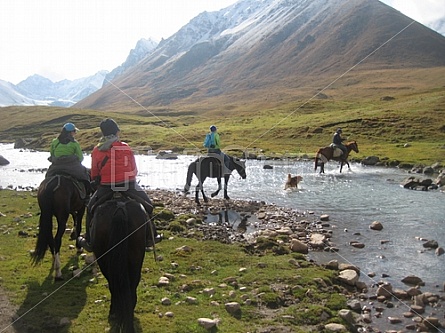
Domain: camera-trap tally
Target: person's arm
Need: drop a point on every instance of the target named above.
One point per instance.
(78, 151)
(217, 141)
(53, 147)
(132, 161)
(94, 164)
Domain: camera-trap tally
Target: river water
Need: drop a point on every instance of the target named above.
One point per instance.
(353, 200)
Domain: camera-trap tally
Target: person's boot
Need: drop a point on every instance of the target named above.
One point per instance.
(151, 235)
(88, 192)
(86, 242)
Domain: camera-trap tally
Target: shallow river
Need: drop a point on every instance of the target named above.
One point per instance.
(353, 200)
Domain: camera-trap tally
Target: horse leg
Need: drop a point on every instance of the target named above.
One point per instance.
(197, 196)
(57, 267)
(226, 181)
(78, 227)
(73, 231)
(61, 226)
(214, 194)
(322, 167)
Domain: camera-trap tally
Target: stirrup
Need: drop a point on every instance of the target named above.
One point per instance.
(83, 243)
(157, 239)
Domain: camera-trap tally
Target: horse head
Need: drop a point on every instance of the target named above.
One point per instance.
(354, 146)
(240, 166)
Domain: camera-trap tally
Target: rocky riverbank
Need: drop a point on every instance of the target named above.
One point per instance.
(374, 305)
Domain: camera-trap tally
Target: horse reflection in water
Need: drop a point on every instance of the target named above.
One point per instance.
(212, 166)
(230, 219)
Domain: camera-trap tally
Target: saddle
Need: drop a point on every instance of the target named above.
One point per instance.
(80, 186)
(337, 152)
(115, 195)
(221, 162)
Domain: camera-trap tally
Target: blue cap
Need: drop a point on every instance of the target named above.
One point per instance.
(69, 127)
(213, 128)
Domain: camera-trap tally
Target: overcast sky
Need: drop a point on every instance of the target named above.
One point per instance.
(71, 39)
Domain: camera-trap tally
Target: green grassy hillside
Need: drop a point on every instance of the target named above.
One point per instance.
(409, 128)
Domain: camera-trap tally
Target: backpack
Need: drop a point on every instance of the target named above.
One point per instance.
(208, 142)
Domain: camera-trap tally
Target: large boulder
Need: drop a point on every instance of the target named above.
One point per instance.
(370, 160)
(417, 183)
(25, 143)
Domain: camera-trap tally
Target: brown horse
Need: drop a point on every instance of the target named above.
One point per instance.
(118, 231)
(329, 153)
(57, 196)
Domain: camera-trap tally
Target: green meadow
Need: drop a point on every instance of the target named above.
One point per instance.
(275, 288)
(407, 129)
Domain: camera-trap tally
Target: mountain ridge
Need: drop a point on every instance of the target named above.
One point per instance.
(256, 46)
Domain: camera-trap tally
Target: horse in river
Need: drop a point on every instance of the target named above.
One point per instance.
(118, 236)
(212, 166)
(57, 196)
(325, 154)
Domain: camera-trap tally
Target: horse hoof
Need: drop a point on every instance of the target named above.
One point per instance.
(58, 278)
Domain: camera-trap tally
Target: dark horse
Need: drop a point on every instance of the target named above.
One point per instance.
(328, 153)
(118, 233)
(57, 196)
(210, 166)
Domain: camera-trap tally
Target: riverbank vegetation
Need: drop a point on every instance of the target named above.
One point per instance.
(405, 128)
(277, 292)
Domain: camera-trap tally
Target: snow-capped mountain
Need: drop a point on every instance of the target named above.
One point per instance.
(250, 44)
(143, 48)
(38, 90)
(10, 96)
(257, 48)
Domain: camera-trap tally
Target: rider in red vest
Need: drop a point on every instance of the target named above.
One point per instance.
(113, 168)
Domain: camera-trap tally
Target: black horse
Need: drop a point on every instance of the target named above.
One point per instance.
(212, 166)
(60, 197)
(118, 234)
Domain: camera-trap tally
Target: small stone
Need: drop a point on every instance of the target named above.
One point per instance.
(207, 323)
(376, 226)
(394, 320)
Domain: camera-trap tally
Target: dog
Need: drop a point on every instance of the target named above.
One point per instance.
(292, 181)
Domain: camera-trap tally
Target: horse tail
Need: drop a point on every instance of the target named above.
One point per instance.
(191, 170)
(119, 279)
(317, 159)
(45, 236)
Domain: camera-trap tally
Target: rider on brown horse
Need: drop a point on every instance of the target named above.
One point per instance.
(337, 140)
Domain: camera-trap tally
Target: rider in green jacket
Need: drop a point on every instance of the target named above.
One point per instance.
(66, 156)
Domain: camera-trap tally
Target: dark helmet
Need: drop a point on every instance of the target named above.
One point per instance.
(108, 127)
(212, 128)
(339, 130)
